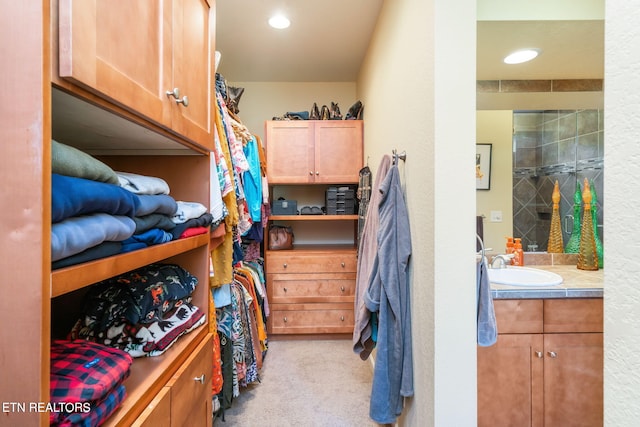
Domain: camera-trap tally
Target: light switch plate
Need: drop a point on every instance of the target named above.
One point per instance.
(496, 216)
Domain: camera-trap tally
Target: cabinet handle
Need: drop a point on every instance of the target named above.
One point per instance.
(539, 354)
(284, 265)
(311, 173)
(199, 379)
(317, 172)
(342, 288)
(342, 318)
(552, 354)
(184, 101)
(175, 93)
(285, 319)
(342, 264)
(284, 289)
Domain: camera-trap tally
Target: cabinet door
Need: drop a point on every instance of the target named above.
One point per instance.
(573, 380)
(158, 412)
(119, 49)
(289, 151)
(193, 44)
(510, 381)
(338, 151)
(191, 388)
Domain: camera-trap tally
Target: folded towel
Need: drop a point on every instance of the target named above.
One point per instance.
(72, 197)
(142, 184)
(156, 203)
(74, 235)
(69, 161)
(487, 327)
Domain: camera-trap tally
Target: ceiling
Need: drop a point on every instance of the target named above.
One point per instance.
(327, 42)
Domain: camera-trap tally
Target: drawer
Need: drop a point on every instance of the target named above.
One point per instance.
(518, 316)
(158, 413)
(573, 315)
(311, 318)
(293, 262)
(325, 287)
(191, 388)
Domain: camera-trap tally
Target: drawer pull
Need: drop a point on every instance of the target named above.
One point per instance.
(284, 289)
(342, 288)
(342, 318)
(539, 354)
(199, 379)
(184, 101)
(285, 319)
(342, 264)
(284, 265)
(310, 172)
(552, 354)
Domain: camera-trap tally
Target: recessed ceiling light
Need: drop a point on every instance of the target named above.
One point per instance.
(521, 56)
(279, 21)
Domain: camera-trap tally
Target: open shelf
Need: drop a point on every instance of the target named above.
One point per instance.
(75, 277)
(313, 217)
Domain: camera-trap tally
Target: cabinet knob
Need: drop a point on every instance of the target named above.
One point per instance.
(175, 93)
(284, 265)
(199, 379)
(285, 319)
(342, 264)
(184, 101)
(311, 173)
(284, 289)
(342, 288)
(317, 173)
(552, 354)
(342, 318)
(539, 354)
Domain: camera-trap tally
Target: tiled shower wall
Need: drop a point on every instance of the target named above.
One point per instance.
(563, 145)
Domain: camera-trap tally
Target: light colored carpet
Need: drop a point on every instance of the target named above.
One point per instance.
(306, 383)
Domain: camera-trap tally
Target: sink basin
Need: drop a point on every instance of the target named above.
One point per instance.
(523, 276)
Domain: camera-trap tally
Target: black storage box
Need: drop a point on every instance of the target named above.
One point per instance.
(340, 201)
(285, 207)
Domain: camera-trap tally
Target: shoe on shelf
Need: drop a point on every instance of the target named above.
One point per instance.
(315, 113)
(355, 111)
(325, 113)
(335, 112)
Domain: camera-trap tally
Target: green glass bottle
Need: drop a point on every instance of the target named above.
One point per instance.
(587, 255)
(594, 216)
(573, 245)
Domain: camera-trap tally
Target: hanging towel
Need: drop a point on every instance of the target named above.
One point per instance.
(487, 327)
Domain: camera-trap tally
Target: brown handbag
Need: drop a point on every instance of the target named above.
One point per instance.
(280, 237)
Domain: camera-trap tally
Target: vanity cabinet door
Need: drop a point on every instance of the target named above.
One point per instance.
(573, 380)
(510, 381)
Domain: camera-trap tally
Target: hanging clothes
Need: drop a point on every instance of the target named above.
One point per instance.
(387, 298)
(362, 331)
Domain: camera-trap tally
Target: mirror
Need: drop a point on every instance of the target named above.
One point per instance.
(544, 120)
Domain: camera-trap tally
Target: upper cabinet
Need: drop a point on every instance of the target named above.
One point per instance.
(151, 58)
(314, 151)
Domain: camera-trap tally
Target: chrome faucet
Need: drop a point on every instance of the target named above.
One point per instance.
(503, 258)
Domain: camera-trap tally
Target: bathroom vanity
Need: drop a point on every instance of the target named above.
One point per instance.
(546, 368)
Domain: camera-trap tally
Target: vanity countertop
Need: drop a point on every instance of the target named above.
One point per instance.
(576, 284)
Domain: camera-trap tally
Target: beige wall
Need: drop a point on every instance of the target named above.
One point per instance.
(263, 100)
(496, 128)
(622, 259)
(421, 99)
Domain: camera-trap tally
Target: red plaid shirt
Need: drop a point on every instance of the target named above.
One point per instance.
(84, 371)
